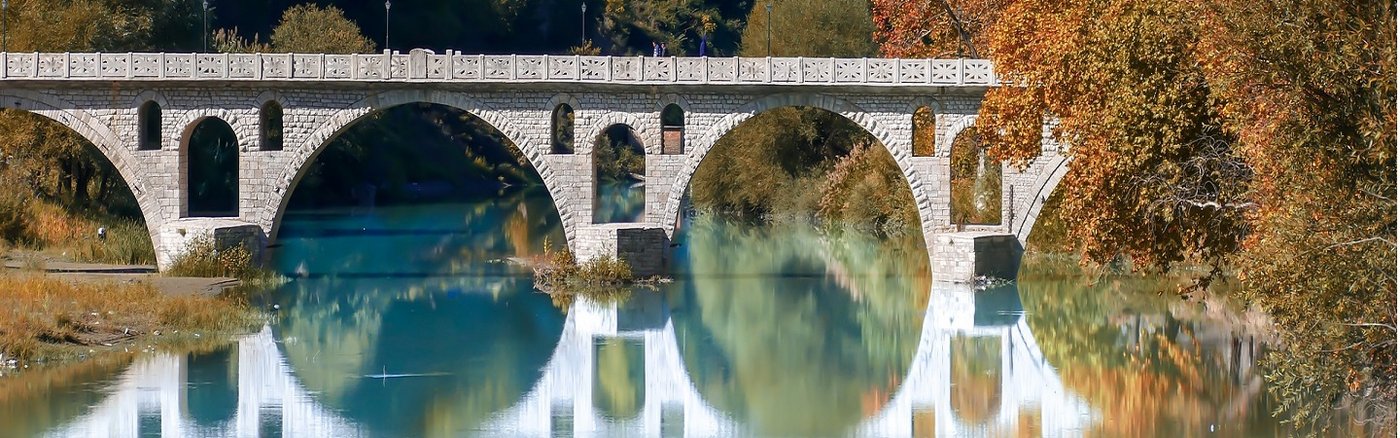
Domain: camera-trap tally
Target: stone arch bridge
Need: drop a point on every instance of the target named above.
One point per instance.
(139, 109)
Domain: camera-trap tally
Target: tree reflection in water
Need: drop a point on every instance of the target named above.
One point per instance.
(795, 332)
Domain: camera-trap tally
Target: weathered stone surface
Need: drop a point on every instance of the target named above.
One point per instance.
(643, 246)
(962, 257)
(322, 95)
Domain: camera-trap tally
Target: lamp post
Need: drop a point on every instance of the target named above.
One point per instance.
(206, 25)
(769, 28)
(582, 23)
(386, 25)
(5, 16)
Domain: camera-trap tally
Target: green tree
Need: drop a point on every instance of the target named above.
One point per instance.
(314, 29)
(839, 28)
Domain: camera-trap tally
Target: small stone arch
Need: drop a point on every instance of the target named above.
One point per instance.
(648, 131)
(244, 124)
(674, 113)
(271, 122)
(183, 176)
(944, 139)
(140, 131)
(563, 142)
(833, 104)
(306, 151)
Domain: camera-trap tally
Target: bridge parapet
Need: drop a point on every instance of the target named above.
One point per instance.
(454, 67)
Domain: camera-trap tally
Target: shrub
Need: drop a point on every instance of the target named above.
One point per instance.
(557, 272)
(205, 258)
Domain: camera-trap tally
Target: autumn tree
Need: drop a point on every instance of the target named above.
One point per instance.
(1308, 88)
(1252, 135)
(935, 28)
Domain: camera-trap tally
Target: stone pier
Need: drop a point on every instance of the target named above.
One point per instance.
(643, 246)
(962, 257)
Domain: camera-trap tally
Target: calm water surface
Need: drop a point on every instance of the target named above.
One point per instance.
(407, 322)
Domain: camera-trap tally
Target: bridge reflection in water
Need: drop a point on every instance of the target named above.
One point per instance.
(962, 329)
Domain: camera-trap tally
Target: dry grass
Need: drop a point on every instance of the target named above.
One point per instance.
(56, 230)
(44, 319)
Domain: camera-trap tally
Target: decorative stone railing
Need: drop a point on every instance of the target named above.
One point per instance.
(424, 66)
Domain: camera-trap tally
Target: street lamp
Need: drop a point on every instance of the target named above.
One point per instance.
(582, 23)
(206, 25)
(769, 28)
(5, 16)
(386, 24)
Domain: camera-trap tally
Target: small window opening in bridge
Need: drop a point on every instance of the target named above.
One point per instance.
(149, 120)
(976, 181)
(924, 132)
(270, 137)
(619, 169)
(619, 377)
(562, 130)
(673, 130)
(210, 162)
(976, 376)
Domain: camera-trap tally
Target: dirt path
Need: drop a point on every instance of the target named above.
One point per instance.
(96, 272)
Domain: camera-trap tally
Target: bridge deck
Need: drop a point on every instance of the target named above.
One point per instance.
(423, 66)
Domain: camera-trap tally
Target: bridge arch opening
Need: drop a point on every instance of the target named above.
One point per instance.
(975, 187)
(673, 130)
(812, 162)
(925, 127)
(149, 122)
(561, 130)
(619, 175)
(270, 126)
(412, 156)
(54, 174)
(209, 168)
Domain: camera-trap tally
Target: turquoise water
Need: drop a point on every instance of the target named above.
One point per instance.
(411, 321)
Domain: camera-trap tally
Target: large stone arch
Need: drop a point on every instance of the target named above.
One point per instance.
(874, 125)
(1051, 169)
(307, 149)
(108, 142)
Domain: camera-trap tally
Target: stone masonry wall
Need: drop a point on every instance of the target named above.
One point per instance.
(314, 113)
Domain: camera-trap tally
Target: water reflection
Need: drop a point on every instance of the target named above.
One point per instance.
(619, 201)
(412, 327)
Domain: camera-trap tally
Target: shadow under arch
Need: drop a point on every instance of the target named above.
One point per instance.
(107, 143)
(218, 135)
(354, 114)
(850, 111)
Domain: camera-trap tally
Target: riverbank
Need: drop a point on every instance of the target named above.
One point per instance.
(54, 312)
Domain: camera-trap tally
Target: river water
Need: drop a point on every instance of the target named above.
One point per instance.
(408, 321)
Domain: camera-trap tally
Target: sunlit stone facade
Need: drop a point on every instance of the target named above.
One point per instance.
(99, 96)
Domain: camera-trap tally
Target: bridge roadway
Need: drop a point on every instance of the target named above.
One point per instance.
(562, 398)
(140, 110)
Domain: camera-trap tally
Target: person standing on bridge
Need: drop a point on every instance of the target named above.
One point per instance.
(655, 49)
